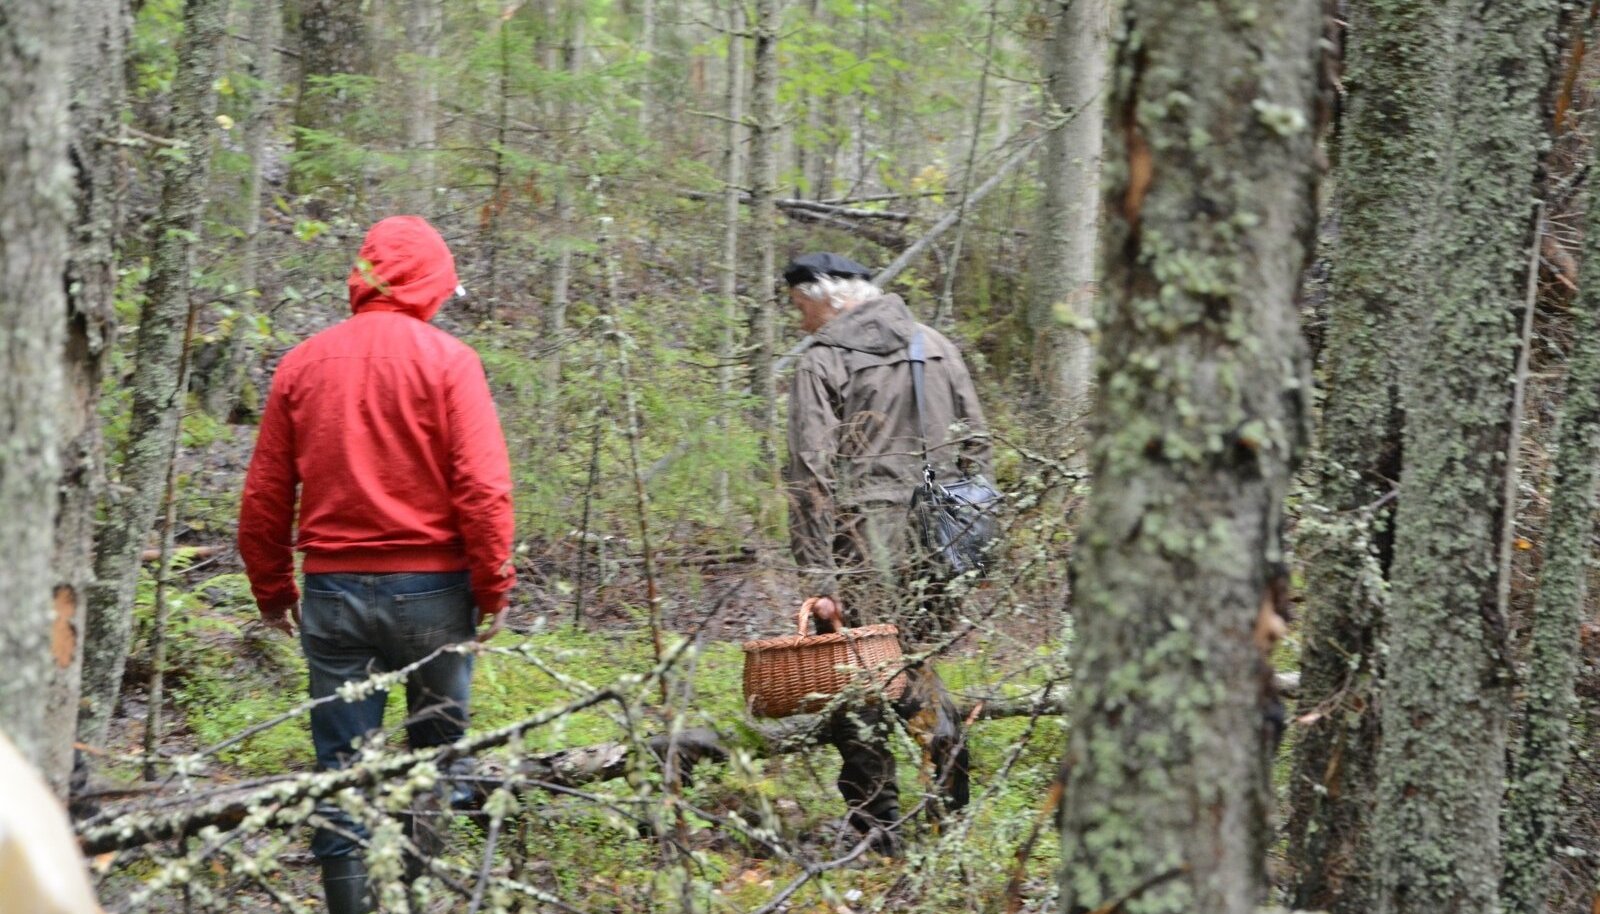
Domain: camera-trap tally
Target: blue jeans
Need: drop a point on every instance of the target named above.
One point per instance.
(354, 625)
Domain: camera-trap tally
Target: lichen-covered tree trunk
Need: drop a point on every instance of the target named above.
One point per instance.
(333, 43)
(764, 127)
(1533, 813)
(1447, 671)
(1200, 417)
(35, 210)
(1397, 81)
(97, 93)
(1061, 275)
(157, 387)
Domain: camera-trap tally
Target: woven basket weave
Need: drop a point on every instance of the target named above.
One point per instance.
(799, 673)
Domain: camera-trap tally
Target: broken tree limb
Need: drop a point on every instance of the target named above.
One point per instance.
(888, 273)
(812, 206)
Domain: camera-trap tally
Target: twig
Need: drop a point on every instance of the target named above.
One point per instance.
(488, 860)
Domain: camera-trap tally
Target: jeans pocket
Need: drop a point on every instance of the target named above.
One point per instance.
(436, 617)
(323, 615)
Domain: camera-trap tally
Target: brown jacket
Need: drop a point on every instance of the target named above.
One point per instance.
(853, 436)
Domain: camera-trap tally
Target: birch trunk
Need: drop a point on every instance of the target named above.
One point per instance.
(1062, 275)
(35, 210)
(1200, 419)
(157, 386)
(732, 176)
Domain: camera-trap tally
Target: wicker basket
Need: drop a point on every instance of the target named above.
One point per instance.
(798, 674)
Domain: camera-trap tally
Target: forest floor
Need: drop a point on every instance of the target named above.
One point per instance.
(228, 672)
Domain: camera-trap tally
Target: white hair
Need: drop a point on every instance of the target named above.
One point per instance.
(839, 292)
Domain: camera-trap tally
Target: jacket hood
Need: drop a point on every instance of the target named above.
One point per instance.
(880, 326)
(404, 266)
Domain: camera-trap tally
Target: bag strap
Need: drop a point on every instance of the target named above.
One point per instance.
(919, 361)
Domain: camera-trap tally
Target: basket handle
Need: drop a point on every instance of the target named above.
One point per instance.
(803, 618)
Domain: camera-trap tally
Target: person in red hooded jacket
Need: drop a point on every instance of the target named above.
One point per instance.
(385, 426)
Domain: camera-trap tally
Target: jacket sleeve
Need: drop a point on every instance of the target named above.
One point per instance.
(976, 451)
(266, 511)
(480, 483)
(813, 443)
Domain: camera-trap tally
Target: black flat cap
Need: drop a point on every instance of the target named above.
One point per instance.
(807, 267)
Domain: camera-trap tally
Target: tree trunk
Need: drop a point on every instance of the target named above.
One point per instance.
(1200, 419)
(944, 315)
(764, 126)
(333, 42)
(1447, 676)
(1398, 96)
(35, 210)
(570, 25)
(1533, 806)
(647, 50)
(424, 29)
(226, 381)
(97, 89)
(1061, 293)
(157, 387)
(732, 191)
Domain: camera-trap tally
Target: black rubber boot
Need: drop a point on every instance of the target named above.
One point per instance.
(344, 884)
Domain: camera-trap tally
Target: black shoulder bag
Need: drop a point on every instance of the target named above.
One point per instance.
(955, 522)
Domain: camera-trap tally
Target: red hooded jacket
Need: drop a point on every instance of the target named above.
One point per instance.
(386, 425)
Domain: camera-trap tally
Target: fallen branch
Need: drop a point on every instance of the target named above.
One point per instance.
(169, 817)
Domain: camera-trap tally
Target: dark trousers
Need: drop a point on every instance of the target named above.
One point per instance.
(354, 625)
(867, 767)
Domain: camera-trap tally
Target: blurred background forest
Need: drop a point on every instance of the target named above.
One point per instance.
(620, 182)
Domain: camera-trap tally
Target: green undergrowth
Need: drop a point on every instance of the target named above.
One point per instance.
(233, 674)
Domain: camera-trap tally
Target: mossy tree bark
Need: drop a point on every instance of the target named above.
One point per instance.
(1533, 813)
(98, 44)
(1398, 87)
(1447, 676)
(35, 211)
(157, 387)
(1061, 277)
(1200, 418)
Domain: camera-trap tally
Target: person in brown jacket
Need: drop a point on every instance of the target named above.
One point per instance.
(855, 456)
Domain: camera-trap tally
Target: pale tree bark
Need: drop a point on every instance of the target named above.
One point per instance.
(35, 211)
(98, 43)
(728, 285)
(569, 24)
(1061, 274)
(157, 386)
(1398, 91)
(333, 42)
(225, 381)
(764, 128)
(424, 25)
(1200, 419)
(1447, 671)
(1533, 814)
(647, 51)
